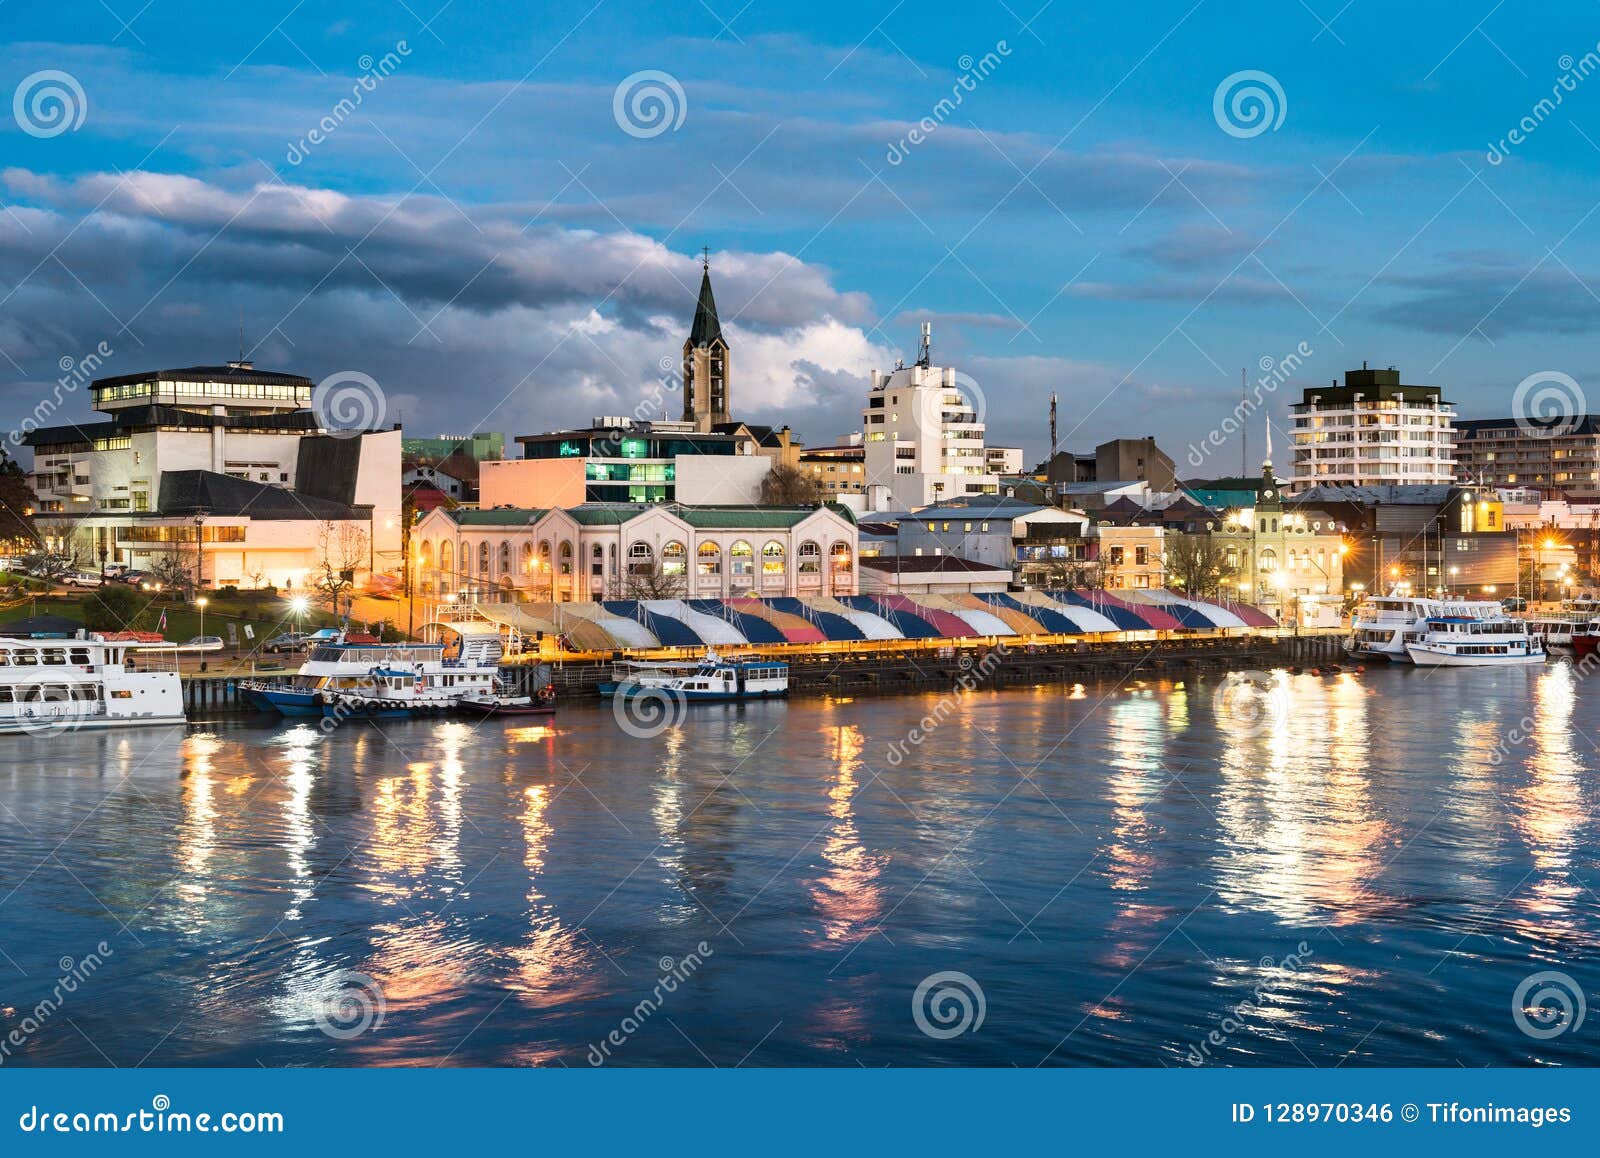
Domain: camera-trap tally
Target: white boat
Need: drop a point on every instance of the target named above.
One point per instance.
(1464, 641)
(49, 685)
(1557, 629)
(709, 678)
(1384, 624)
(437, 682)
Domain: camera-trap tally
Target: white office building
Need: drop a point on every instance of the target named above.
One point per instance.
(923, 440)
(1373, 431)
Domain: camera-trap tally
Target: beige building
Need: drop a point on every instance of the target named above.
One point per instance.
(1132, 557)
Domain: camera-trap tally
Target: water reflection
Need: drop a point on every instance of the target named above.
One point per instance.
(848, 896)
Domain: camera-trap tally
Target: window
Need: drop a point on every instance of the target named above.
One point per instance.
(708, 559)
(772, 557)
(483, 558)
(1141, 555)
(674, 559)
(810, 558)
(841, 556)
(505, 559)
(565, 554)
(1116, 556)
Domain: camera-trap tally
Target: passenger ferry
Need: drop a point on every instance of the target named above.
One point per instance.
(1384, 624)
(60, 685)
(709, 678)
(1557, 630)
(344, 678)
(1462, 641)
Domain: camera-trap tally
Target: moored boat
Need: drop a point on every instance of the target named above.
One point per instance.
(709, 678)
(1465, 641)
(64, 684)
(1383, 625)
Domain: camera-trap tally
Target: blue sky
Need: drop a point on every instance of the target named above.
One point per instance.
(486, 240)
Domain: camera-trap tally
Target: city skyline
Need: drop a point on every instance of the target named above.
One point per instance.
(500, 234)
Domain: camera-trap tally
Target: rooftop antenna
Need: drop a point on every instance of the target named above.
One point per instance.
(925, 351)
(1244, 448)
(241, 333)
(1052, 428)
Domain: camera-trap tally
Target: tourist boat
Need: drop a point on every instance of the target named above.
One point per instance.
(64, 684)
(1383, 624)
(496, 704)
(1467, 641)
(1558, 629)
(427, 683)
(709, 678)
(349, 666)
(1586, 642)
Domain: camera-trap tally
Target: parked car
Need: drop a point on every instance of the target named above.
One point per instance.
(321, 635)
(203, 643)
(132, 578)
(1514, 603)
(288, 641)
(80, 579)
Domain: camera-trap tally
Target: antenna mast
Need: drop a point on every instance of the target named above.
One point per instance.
(1244, 429)
(1052, 453)
(925, 351)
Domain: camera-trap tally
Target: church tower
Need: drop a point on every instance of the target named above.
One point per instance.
(705, 361)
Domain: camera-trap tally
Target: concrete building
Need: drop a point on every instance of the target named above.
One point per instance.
(1501, 452)
(838, 470)
(1373, 431)
(1031, 541)
(1003, 459)
(481, 445)
(223, 465)
(1135, 460)
(1131, 556)
(924, 442)
(634, 550)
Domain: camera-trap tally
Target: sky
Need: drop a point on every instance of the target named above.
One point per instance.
(504, 231)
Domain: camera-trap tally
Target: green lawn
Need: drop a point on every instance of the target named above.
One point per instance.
(267, 617)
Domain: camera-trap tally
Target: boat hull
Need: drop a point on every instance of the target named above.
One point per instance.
(66, 724)
(694, 696)
(284, 701)
(1426, 657)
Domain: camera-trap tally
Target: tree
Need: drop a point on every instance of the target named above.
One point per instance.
(342, 550)
(1071, 574)
(171, 572)
(788, 486)
(112, 607)
(17, 504)
(650, 581)
(1198, 564)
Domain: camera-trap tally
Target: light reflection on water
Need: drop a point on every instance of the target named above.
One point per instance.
(1113, 864)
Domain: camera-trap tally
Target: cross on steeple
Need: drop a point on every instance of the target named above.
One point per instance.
(705, 258)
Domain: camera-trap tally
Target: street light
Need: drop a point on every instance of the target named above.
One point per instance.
(201, 604)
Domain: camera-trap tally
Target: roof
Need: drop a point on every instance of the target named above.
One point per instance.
(1426, 495)
(1568, 427)
(496, 517)
(132, 417)
(706, 328)
(233, 372)
(928, 565)
(615, 514)
(1098, 488)
(984, 506)
(766, 436)
(41, 627)
(204, 492)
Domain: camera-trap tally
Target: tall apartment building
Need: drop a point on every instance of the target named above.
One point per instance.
(1497, 452)
(924, 443)
(1373, 431)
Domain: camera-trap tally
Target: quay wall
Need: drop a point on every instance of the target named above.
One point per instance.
(906, 668)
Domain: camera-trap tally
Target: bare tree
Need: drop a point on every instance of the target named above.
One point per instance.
(1198, 564)
(651, 581)
(1067, 574)
(788, 486)
(171, 572)
(342, 548)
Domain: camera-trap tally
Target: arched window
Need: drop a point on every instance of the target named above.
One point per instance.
(483, 558)
(446, 556)
(544, 554)
(674, 559)
(505, 560)
(640, 553)
(708, 559)
(597, 553)
(612, 551)
(741, 559)
(566, 557)
(1269, 559)
(527, 558)
(841, 556)
(810, 558)
(772, 556)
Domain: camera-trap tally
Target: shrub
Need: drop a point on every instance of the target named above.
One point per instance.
(113, 607)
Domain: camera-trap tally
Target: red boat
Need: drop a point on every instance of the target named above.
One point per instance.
(1585, 644)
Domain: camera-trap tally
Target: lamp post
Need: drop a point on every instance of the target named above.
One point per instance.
(201, 604)
(199, 557)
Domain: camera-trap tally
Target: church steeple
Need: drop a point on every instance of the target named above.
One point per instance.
(705, 359)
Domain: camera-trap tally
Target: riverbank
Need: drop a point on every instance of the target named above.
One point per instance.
(891, 670)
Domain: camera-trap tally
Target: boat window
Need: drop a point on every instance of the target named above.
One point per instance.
(122, 694)
(27, 659)
(86, 692)
(5, 659)
(55, 656)
(80, 655)
(7, 694)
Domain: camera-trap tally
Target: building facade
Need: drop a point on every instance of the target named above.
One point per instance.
(627, 551)
(923, 439)
(1373, 431)
(1506, 453)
